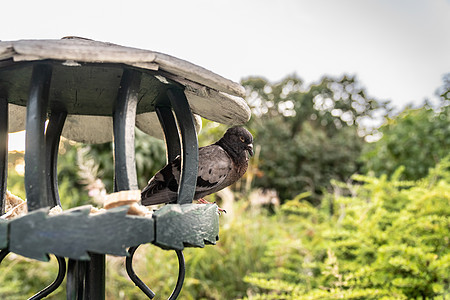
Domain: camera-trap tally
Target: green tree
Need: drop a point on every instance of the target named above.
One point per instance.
(416, 138)
(308, 135)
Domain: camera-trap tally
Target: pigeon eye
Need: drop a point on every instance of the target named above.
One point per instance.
(242, 139)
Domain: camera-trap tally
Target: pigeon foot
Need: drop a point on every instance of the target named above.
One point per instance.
(203, 201)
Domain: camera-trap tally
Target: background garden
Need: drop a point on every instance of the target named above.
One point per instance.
(334, 206)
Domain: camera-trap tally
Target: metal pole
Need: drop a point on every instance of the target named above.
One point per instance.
(52, 138)
(189, 150)
(35, 179)
(124, 120)
(3, 150)
(169, 126)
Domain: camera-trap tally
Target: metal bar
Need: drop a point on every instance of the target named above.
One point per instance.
(125, 178)
(72, 280)
(169, 126)
(95, 277)
(189, 150)
(52, 138)
(137, 281)
(82, 276)
(124, 120)
(181, 275)
(75, 287)
(3, 151)
(35, 179)
(59, 279)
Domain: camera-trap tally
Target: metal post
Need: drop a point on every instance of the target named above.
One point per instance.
(52, 138)
(189, 150)
(125, 178)
(35, 179)
(3, 150)
(95, 277)
(124, 120)
(169, 126)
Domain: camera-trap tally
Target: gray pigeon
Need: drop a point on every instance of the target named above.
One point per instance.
(219, 165)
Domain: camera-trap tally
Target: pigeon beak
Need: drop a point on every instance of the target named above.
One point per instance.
(250, 149)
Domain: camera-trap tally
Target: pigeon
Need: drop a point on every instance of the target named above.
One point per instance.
(219, 165)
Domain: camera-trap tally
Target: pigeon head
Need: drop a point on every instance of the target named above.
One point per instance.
(237, 140)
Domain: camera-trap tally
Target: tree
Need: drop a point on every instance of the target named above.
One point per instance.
(416, 138)
(308, 135)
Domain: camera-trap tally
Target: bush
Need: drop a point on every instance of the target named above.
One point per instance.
(389, 240)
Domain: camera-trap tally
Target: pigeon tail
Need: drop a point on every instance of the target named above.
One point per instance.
(163, 196)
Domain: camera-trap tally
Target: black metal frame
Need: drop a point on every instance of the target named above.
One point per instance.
(86, 280)
(52, 138)
(3, 149)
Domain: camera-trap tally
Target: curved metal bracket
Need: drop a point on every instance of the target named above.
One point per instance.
(59, 279)
(181, 275)
(52, 138)
(189, 150)
(53, 286)
(169, 126)
(137, 281)
(144, 288)
(124, 119)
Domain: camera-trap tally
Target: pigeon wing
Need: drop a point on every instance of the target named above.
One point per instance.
(163, 187)
(213, 169)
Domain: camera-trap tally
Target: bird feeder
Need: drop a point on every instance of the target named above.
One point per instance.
(95, 92)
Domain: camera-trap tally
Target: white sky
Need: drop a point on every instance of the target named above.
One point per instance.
(399, 49)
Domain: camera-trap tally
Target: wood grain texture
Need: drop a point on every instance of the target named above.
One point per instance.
(188, 225)
(74, 232)
(83, 50)
(86, 80)
(80, 50)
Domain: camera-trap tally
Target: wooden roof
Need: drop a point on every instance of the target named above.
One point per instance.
(90, 71)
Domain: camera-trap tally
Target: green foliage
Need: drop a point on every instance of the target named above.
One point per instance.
(21, 278)
(150, 157)
(390, 240)
(308, 136)
(416, 139)
(71, 187)
(387, 239)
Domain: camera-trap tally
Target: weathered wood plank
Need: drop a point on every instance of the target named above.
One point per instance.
(198, 74)
(73, 233)
(82, 50)
(87, 77)
(218, 106)
(178, 226)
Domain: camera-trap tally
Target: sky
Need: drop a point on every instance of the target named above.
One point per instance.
(398, 49)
